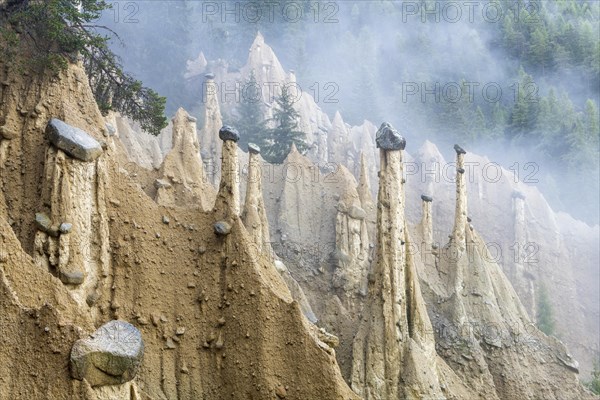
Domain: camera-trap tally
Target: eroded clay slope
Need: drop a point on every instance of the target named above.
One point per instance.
(482, 329)
(217, 319)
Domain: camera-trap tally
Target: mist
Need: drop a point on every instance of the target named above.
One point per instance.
(439, 71)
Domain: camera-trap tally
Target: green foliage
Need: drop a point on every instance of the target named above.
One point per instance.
(463, 115)
(546, 35)
(250, 119)
(285, 131)
(583, 138)
(545, 318)
(594, 383)
(525, 109)
(53, 33)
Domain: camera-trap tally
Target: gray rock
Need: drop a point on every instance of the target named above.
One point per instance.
(92, 298)
(43, 222)
(492, 340)
(569, 362)
(426, 198)
(516, 194)
(229, 133)
(162, 183)
(110, 356)
(460, 170)
(73, 141)
(388, 138)
(7, 133)
(459, 150)
(209, 76)
(357, 212)
(71, 277)
(191, 119)
(280, 266)
(310, 315)
(253, 148)
(65, 227)
(110, 130)
(222, 228)
(341, 256)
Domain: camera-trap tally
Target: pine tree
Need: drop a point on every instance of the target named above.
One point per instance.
(550, 125)
(285, 130)
(545, 318)
(594, 383)
(497, 125)
(465, 120)
(250, 118)
(539, 53)
(524, 112)
(583, 139)
(58, 32)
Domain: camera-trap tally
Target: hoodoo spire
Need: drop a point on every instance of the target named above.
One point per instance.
(460, 218)
(228, 198)
(427, 227)
(364, 186)
(211, 148)
(396, 331)
(254, 214)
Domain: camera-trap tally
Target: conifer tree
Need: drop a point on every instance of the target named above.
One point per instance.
(545, 317)
(54, 33)
(250, 118)
(285, 130)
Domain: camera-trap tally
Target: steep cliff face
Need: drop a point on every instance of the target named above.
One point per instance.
(68, 238)
(351, 244)
(183, 181)
(482, 328)
(535, 247)
(232, 307)
(363, 150)
(338, 140)
(255, 220)
(394, 351)
(302, 208)
(222, 316)
(545, 242)
(254, 214)
(73, 242)
(528, 249)
(216, 317)
(265, 64)
(142, 148)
